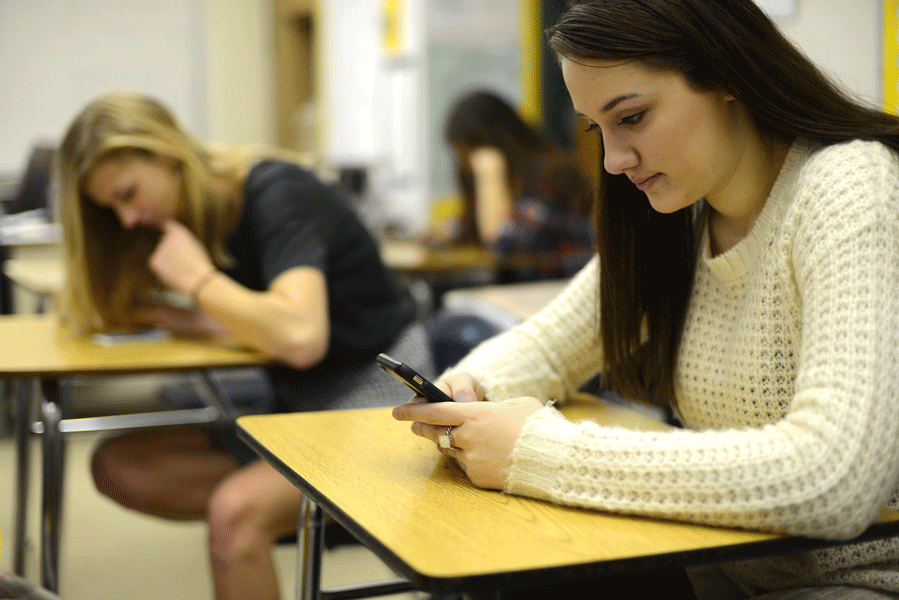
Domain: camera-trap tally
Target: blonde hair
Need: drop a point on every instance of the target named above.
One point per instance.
(106, 264)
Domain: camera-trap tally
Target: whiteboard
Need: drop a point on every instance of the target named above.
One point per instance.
(55, 56)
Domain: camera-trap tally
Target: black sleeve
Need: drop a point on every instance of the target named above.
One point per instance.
(294, 220)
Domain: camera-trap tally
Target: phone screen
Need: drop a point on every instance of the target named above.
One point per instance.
(114, 338)
(412, 379)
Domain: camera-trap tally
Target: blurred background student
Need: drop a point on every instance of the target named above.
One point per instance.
(521, 193)
(265, 253)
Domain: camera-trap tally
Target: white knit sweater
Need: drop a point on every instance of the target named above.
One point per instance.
(787, 381)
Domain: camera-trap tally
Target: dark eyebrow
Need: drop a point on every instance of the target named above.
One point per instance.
(615, 101)
(610, 104)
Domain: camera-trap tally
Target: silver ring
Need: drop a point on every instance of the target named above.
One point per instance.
(445, 440)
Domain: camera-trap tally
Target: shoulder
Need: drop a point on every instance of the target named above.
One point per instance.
(851, 163)
(857, 171)
(273, 183)
(278, 173)
(282, 196)
(844, 188)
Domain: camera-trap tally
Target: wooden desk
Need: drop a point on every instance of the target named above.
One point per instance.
(454, 267)
(419, 513)
(36, 245)
(412, 257)
(519, 300)
(36, 351)
(41, 277)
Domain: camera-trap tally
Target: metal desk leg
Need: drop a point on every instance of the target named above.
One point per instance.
(310, 548)
(216, 396)
(53, 454)
(310, 545)
(26, 395)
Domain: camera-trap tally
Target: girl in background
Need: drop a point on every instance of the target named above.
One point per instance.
(521, 194)
(267, 254)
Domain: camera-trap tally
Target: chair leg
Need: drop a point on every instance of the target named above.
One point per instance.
(310, 545)
(25, 394)
(52, 445)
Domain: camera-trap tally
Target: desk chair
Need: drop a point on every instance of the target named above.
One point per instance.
(455, 333)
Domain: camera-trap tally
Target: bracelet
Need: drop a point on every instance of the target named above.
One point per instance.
(201, 283)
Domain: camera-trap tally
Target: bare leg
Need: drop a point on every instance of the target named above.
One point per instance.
(178, 474)
(169, 473)
(248, 512)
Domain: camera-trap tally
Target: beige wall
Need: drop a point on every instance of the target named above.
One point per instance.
(240, 90)
(844, 37)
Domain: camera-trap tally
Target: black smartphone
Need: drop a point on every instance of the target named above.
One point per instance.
(412, 379)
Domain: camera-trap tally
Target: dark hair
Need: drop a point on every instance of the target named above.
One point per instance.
(480, 119)
(728, 45)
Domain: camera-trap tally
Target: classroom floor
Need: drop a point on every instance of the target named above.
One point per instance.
(109, 553)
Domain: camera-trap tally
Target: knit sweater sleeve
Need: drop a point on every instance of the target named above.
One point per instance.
(549, 355)
(830, 463)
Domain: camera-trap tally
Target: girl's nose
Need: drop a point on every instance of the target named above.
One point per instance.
(618, 157)
(127, 216)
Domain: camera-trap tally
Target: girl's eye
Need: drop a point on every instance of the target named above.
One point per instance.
(592, 127)
(632, 120)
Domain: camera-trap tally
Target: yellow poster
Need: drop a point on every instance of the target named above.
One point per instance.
(392, 15)
(890, 45)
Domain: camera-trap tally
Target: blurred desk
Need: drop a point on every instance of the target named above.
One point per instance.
(430, 271)
(433, 271)
(514, 301)
(412, 257)
(418, 512)
(36, 244)
(36, 351)
(39, 276)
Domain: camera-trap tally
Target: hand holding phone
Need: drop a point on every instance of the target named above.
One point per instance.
(412, 379)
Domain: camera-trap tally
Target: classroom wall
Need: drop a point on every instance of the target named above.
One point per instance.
(211, 60)
(845, 38)
(239, 71)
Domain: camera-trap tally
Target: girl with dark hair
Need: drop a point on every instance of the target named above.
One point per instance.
(748, 237)
(521, 193)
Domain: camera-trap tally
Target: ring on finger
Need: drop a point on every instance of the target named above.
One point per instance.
(445, 440)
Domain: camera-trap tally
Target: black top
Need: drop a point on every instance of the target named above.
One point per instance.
(291, 219)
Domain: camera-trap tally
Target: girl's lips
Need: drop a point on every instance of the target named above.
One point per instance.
(646, 183)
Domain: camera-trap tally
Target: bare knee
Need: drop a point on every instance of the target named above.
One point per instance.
(246, 514)
(113, 473)
(237, 530)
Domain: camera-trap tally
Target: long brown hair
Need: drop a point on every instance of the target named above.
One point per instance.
(648, 258)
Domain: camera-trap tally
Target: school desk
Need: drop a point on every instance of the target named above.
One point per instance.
(418, 512)
(37, 351)
(509, 303)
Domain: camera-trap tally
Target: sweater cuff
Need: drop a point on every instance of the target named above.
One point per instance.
(538, 454)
